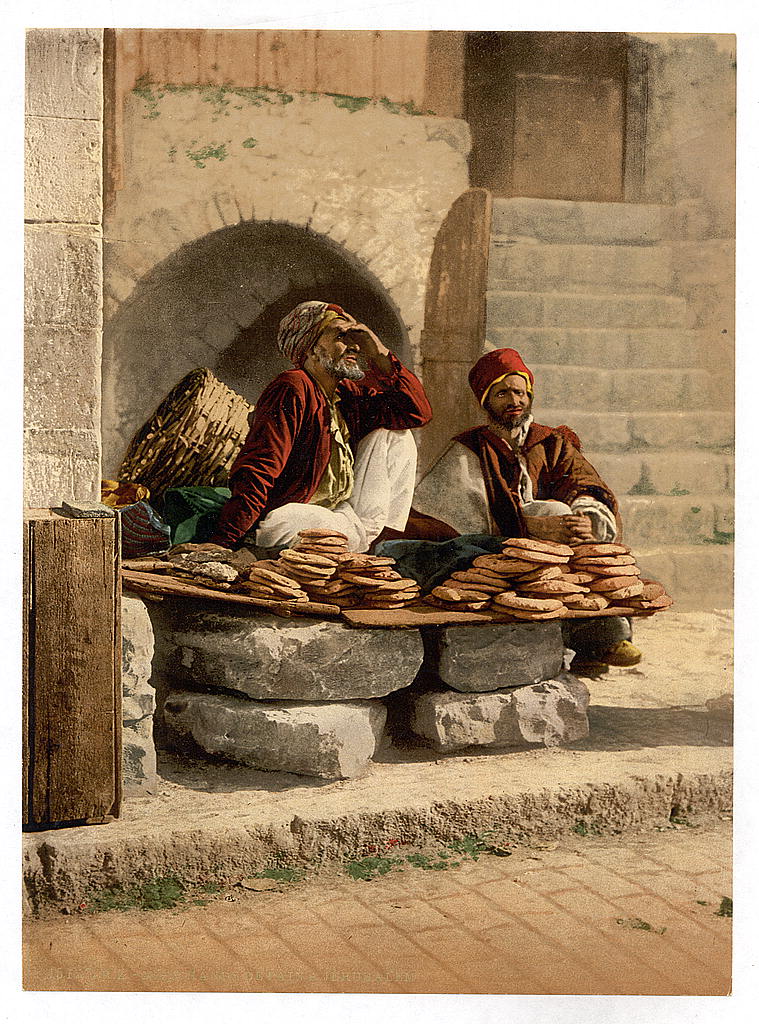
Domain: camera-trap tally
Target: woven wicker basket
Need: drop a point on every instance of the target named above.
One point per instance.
(191, 439)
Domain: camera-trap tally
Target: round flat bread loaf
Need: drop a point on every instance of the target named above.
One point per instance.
(530, 544)
(606, 571)
(651, 590)
(586, 602)
(549, 587)
(501, 566)
(323, 535)
(464, 593)
(582, 577)
(359, 560)
(599, 550)
(256, 572)
(527, 616)
(298, 558)
(592, 563)
(463, 579)
(528, 555)
(546, 572)
(607, 584)
(527, 604)
(623, 593)
(310, 572)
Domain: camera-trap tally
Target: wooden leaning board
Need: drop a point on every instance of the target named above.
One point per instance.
(157, 585)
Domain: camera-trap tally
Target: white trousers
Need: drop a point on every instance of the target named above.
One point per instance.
(384, 473)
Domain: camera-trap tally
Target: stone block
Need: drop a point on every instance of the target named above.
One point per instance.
(331, 741)
(695, 471)
(550, 713)
(63, 170)
(63, 276)
(267, 657)
(138, 696)
(64, 72)
(528, 266)
(491, 658)
(548, 309)
(61, 378)
(60, 465)
(558, 220)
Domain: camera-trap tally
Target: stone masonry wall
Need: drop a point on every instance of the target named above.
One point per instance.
(367, 176)
(63, 265)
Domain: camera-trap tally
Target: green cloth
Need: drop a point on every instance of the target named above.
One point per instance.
(193, 512)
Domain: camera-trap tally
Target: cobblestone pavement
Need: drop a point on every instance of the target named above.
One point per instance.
(633, 914)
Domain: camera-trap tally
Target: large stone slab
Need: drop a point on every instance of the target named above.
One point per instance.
(63, 170)
(331, 741)
(138, 699)
(493, 657)
(551, 712)
(64, 72)
(267, 657)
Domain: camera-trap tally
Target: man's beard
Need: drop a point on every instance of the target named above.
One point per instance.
(511, 421)
(340, 369)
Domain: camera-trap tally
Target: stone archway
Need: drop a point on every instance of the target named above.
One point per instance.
(216, 302)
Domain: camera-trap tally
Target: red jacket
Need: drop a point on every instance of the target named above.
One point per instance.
(288, 446)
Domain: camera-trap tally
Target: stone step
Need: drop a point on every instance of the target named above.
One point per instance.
(688, 519)
(642, 431)
(621, 390)
(558, 220)
(563, 309)
(665, 472)
(532, 266)
(612, 347)
(697, 576)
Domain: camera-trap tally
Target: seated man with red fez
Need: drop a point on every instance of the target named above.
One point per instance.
(514, 477)
(329, 445)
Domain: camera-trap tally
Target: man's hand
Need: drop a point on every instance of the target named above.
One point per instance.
(574, 529)
(370, 346)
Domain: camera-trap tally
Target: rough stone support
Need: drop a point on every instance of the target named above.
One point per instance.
(63, 265)
(139, 759)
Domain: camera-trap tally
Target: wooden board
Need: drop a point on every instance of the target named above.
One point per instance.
(72, 669)
(425, 615)
(154, 585)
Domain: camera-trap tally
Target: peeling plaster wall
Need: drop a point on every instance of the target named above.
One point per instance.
(369, 177)
(63, 265)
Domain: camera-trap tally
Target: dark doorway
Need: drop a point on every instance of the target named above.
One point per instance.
(547, 112)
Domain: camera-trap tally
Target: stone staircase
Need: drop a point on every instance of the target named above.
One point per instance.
(584, 291)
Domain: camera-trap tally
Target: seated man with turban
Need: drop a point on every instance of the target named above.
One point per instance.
(514, 477)
(329, 445)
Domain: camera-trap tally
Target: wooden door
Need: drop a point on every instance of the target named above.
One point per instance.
(72, 669)
(454, 319)
(547, 113)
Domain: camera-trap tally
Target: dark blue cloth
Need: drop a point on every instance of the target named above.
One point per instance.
(429, 562)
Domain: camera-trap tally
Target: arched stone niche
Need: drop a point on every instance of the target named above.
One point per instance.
(216, 302)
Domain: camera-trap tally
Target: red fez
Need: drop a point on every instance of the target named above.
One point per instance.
(494, 366)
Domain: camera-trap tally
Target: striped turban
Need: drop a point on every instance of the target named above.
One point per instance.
(300, 329)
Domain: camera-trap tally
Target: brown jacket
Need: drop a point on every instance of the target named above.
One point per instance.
(556, 467)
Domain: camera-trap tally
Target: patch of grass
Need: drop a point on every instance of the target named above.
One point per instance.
(426, 862)
(645, 484)
(678, 491)
(211, 887)
(160, 893)
(350, 103)
(720, 537)
(725, 908)
(367, 868)
(282, 874)
(249, 143)
(586, 828)
(639, 924)
(471, 846)
(209, 152)
(702, 903)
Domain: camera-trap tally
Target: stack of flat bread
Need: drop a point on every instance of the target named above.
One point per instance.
(378, 583)
(613, 578)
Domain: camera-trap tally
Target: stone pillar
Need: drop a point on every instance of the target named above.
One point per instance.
(63, 264)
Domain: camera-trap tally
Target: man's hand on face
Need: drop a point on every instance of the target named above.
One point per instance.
(370, 346)
(561, 529)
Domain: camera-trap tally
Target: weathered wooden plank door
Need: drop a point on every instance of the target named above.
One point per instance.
(454, 319)
(547, 113)
(72, 669)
